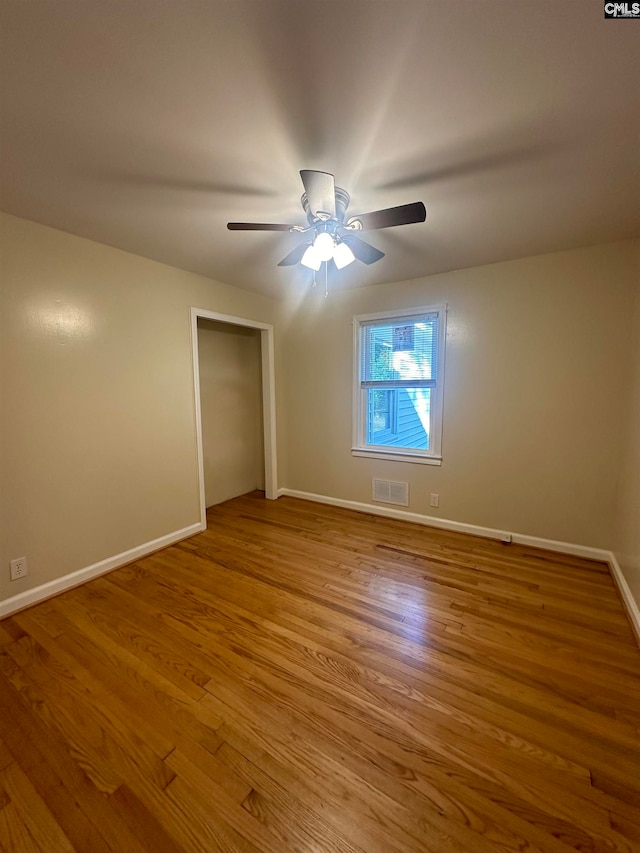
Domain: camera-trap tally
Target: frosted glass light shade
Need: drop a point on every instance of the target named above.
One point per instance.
(343, 256)
(311, 258)
(324, 245)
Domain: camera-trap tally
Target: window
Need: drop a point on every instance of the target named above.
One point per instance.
(399, 362)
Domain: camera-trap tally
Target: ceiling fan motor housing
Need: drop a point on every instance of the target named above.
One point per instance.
(342, 203)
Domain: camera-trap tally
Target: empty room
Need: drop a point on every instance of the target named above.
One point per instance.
(319, 426)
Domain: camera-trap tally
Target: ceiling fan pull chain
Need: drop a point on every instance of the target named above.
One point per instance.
(326, 279)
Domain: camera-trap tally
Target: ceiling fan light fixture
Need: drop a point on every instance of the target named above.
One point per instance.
(343, 256)
(324, 246)
(311, 258)
(325, 206)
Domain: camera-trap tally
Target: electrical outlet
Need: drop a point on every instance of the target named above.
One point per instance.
(434, 500)
(18, 568)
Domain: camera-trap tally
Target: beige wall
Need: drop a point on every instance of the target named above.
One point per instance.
(98, 450)
(535, 387)
(231, 401)
(626, 543)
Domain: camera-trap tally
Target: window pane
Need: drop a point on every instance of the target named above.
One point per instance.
(381, 410)
(399, 417)
(400, 349)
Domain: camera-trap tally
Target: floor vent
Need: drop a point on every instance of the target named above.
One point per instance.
(388, 492)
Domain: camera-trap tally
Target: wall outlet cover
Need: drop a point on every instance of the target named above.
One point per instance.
(18, 568)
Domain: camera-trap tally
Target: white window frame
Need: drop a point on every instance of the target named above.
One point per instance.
(433, 456)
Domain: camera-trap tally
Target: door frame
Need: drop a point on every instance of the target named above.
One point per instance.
(268, 399)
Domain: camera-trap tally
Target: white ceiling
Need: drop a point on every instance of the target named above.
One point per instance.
(148, 124)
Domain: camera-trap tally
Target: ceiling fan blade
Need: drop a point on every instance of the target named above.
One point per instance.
(257, 226)
(363, 251)
(295, 256)
(320, 188)
(405, 214)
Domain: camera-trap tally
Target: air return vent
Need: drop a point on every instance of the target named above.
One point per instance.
(388, 492)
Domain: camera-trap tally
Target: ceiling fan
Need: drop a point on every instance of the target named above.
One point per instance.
(330, 236)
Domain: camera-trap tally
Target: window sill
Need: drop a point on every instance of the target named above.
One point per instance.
(395, 456)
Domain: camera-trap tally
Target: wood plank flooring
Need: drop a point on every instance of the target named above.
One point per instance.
(305, 678)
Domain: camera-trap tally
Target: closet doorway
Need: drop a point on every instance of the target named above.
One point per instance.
(234, 405)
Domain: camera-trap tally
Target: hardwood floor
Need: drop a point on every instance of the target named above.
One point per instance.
(306, 678)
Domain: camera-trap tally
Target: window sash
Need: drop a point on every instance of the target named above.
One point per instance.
(398, 383)
(382, 338)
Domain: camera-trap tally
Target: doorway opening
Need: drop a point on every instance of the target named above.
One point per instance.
(240, 423)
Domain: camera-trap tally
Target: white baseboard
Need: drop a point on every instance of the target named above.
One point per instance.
(458, 526)
(571, 548)
(46, 590)
(633, 611)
